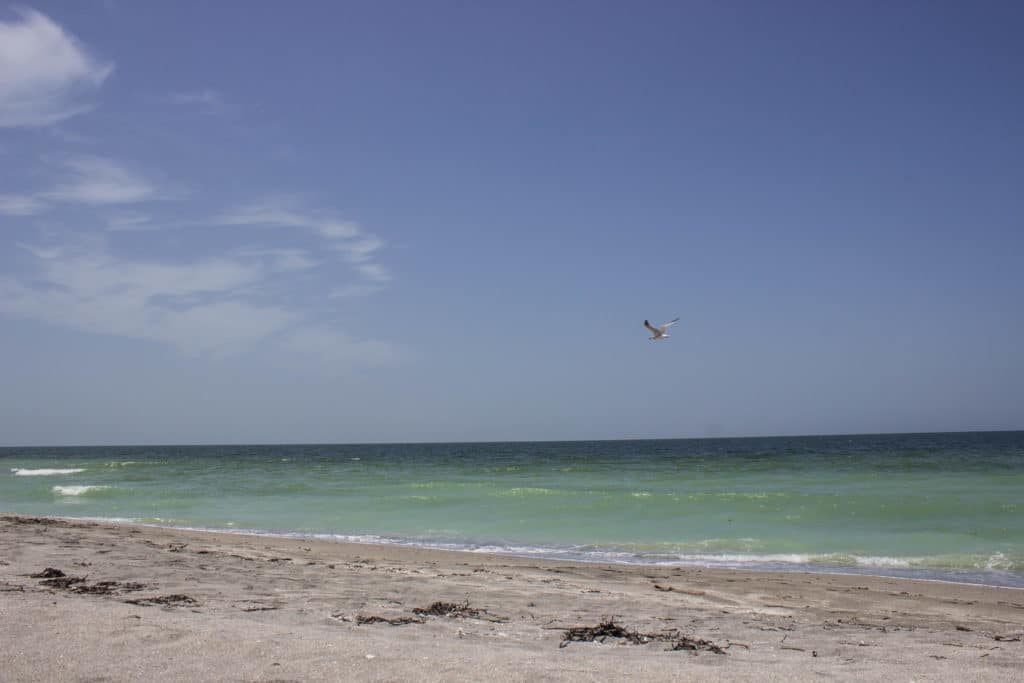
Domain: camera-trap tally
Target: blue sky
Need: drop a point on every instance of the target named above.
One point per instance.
(397, 221)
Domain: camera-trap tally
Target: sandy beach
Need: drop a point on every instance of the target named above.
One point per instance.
(103, 601)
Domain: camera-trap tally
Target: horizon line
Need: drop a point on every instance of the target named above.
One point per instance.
(227, 444)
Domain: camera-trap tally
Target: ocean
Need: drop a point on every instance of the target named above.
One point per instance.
(936, 506)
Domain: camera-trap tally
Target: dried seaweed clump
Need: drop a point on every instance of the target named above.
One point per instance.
(456, 610)
(176, 600)
(609, 629)
(394, 621)
(55, 578)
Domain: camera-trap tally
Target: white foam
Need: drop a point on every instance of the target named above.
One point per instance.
(23, 472)
(999, 561)
(76, 490)
(874, 561)
(524, 491)
(730, 559)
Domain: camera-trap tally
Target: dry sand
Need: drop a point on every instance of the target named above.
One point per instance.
(168, 604)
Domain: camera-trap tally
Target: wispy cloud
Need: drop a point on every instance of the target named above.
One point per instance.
(187, 305)
(352, 291)
(358, 251)
(281, 214)
(206, 101)
(98, 180)
(210, 305)
(373, 272)
(130, 221)
(46, 75)
(343, 237)
(20, 205)
(282, 260)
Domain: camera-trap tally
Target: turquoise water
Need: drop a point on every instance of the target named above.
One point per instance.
(948, 506)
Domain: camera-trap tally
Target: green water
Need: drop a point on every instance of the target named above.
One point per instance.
(932, 505)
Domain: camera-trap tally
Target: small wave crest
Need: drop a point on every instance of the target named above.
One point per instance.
(1002, 562)
(525, 492)
(77, 490)
(25, 472)
(426, 500)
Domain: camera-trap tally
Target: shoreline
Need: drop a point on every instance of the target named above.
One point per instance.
(142, 601)
(710, 563)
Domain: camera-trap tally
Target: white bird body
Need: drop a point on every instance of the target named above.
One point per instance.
(660, 332)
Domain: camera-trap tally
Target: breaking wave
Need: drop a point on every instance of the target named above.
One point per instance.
(24, 472)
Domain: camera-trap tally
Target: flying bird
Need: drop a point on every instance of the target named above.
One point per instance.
(660, 331)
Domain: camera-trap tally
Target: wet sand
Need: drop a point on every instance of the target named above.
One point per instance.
(141, 603)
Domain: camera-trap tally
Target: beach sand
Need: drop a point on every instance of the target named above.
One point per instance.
(169, 604)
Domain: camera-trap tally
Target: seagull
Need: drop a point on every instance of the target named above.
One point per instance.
(659, 332)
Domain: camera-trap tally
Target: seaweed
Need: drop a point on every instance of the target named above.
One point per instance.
(109, 587)
(62, 582)
(176, 600)
(48, 573)
(55, 578)
(395, 621)
(609, 629)
(454, 610)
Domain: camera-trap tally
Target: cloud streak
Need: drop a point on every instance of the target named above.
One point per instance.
(273, 214)
(98, 180)
(20, 205)
(206, 101)
(186, 305)
(210, 305)
(346, 238)
(46, 75)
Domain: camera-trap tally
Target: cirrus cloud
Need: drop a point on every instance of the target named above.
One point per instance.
(20, 205)
(98, 180)
(343, 237)
(210, 305)
(192, 306)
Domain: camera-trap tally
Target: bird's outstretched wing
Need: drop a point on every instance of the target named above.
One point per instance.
(651, 327)
(669, 324)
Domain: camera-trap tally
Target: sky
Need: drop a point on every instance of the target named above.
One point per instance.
(349, 222)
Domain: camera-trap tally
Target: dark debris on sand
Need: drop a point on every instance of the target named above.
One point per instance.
(44, 521)
(609, 629)
(110, 587)
(55, 578)
(451, 610)
(395, 621)
(62, 582)
(460, 610)
(176, 600)
(48, 573)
